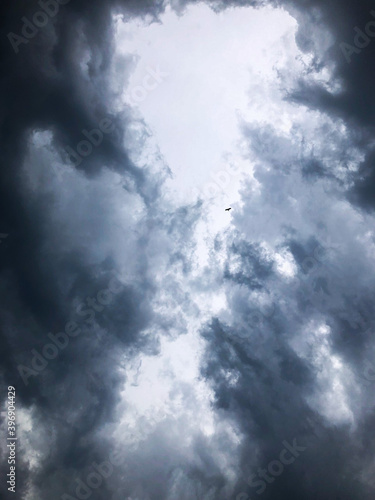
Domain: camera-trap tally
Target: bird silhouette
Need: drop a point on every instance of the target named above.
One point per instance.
(227, 209)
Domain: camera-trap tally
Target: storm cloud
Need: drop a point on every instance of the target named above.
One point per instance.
(160, 347)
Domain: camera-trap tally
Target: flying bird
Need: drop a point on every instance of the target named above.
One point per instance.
(227, 209)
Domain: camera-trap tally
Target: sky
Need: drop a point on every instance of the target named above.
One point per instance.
(161, 347)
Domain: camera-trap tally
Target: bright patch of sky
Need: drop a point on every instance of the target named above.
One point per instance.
(215, 68)
(214, 72)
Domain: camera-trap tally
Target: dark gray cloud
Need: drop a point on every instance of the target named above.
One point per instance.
(266, 372)
(62, 222)
(268, 358)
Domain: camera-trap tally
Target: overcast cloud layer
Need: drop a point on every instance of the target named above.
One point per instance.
(218, 355)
